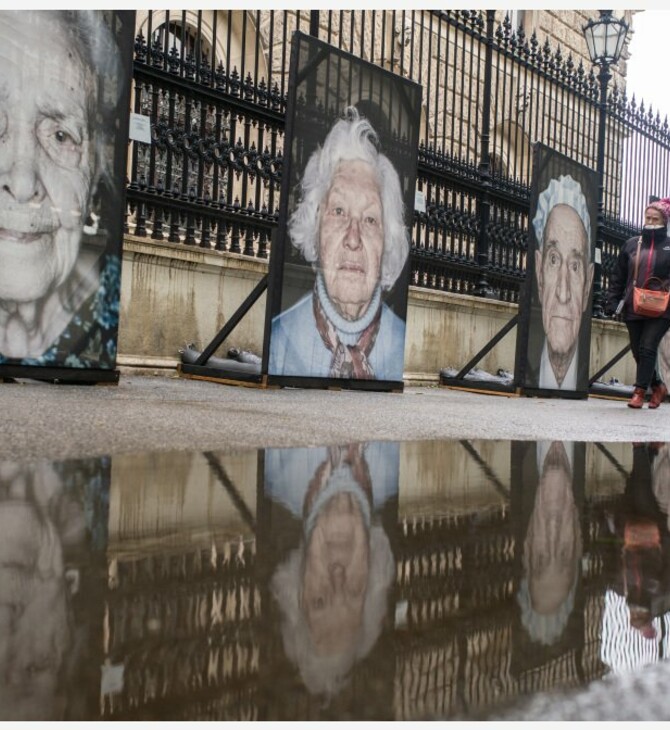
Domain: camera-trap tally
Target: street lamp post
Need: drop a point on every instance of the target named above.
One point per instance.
(605, 38)
(483, 288)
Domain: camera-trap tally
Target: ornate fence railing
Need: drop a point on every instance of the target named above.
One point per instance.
(214, 84)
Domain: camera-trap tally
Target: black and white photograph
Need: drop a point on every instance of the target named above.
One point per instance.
(64, 96)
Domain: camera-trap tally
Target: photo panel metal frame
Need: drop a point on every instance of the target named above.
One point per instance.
(533, 654)
(324, 81)
(294, 492)
(82, 336)
(549, 168)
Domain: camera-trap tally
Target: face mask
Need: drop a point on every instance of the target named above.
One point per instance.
(657, 233)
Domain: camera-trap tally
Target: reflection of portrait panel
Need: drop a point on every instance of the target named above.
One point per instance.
(547, 502)
(340, 300)
(664, 358)
(53, 526)
(329, 570)
(553, 340)
(64, 80)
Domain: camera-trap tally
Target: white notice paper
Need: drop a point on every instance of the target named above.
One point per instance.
(140, 128)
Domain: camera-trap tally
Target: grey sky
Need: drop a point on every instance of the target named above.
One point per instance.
(646, 68)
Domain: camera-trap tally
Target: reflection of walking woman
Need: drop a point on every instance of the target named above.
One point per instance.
(645, 333)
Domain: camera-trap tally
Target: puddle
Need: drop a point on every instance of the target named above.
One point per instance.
(375, 581)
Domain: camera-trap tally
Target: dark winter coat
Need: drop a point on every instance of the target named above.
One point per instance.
(621, 279)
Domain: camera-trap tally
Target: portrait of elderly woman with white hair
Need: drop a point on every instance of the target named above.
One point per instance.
(48, 515)
(333, 590)
(62, 101)
(564, 276)
(349, 224)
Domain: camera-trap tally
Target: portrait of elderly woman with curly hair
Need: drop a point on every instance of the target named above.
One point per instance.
(349, 225)
(62, 103)
(333, 590)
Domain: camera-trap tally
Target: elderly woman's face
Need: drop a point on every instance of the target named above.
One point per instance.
(351, 237)
(34, 631)
(336, 574)
(46, 155)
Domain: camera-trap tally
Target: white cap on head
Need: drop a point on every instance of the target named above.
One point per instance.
(567, 191)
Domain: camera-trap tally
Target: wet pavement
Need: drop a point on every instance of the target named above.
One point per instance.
(376, 579)
(170, 413)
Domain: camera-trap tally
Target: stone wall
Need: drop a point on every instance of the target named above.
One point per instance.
(172, 295)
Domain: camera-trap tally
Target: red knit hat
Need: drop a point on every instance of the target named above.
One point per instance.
(662, 206)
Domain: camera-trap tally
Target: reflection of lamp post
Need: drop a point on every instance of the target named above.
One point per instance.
(605, 38)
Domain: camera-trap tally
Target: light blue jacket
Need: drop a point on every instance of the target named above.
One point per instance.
(296, 347)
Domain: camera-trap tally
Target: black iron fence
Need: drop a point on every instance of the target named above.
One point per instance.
(214, 84)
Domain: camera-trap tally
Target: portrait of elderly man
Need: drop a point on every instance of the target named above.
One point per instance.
(61, 82)
(564, 275)
(333, 589)
(349, 224)
(552, 548)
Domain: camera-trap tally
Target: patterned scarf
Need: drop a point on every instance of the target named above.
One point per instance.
(349, 361)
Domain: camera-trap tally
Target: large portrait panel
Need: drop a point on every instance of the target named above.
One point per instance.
(329, 518)
(548, 507)
(339, 269)
(64, 104)
(554, 334)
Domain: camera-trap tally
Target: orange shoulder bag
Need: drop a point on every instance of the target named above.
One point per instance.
(649, 302)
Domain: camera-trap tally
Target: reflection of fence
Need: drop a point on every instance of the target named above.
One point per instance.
(214, 85)
(184, 626)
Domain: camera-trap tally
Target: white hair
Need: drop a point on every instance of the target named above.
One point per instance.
(351, 138)
(93, 41)
(564, 191)
(328, 674)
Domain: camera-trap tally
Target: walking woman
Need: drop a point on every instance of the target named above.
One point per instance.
(641, 258)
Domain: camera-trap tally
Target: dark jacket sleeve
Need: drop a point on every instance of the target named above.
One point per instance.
(617, 281)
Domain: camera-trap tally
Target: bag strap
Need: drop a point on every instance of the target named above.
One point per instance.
(649, 262)
(647, 278)
(637, 260)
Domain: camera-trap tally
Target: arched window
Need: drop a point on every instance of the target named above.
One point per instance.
(184, 39)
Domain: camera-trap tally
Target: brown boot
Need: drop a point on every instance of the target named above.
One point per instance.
(638, 398)
(658, 394)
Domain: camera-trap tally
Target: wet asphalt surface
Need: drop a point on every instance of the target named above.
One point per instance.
(166, 412)
(163, 412)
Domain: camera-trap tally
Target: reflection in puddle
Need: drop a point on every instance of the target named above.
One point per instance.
(365, 581)
(52, 525)
(635, 617)
(552, 547)
(333, 588)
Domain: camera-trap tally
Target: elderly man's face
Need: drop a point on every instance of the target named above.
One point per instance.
(46, 155)
(553, 542)
(351, 236)
(564, 279)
